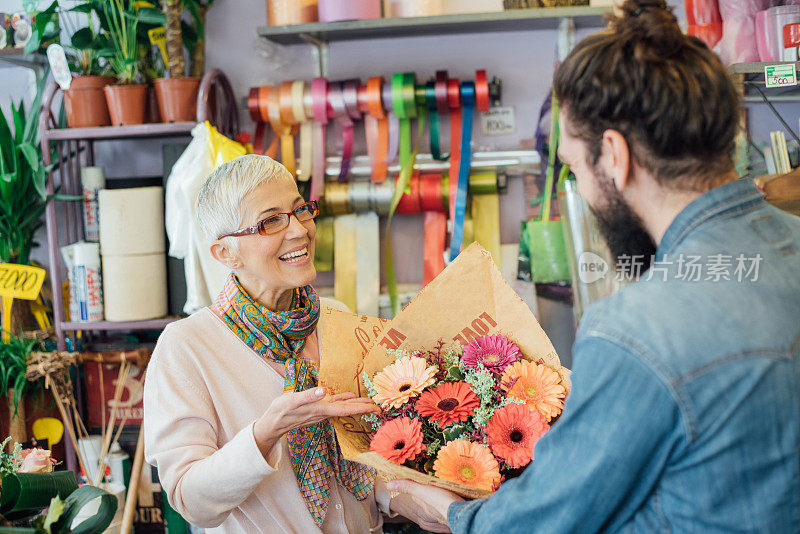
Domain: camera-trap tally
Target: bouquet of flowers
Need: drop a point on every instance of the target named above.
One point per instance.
(466, 379)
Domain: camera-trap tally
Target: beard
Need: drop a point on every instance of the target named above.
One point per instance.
(622, 229)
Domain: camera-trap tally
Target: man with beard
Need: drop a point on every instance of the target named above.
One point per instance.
(684, 413)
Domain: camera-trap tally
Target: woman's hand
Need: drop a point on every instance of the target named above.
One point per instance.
(295, 410)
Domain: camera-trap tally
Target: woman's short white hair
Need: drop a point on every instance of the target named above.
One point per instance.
(219, 206)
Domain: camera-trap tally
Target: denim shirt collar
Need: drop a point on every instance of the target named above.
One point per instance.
(731, 195)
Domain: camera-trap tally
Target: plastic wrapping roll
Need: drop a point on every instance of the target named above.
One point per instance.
(286, 12)
(131, 221)
(323, 244)
(412, 8)
(135, 287)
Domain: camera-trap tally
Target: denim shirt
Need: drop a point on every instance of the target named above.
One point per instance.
(684, 413)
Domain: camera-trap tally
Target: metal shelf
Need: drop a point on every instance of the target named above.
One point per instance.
(16, 57)
(151, 324)
(757, 67)
(501, 21)
(120, 132)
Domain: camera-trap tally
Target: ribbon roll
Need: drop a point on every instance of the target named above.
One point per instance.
(284, 131)
(376, 126)
(485, 210)
(430, 193)
(434, 105)
(357, 265)
(454, 103)
(481, 91)
(319, 105)
(404, 106)
(468, 103)
(343, 112)
(359, 194)
(394, 123)
(337, 199)
(301, 100)
(257, 106)
(288, 105)
(381, 197)
(323, 244)
(409, 202)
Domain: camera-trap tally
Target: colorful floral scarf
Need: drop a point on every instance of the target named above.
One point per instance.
(280, 336)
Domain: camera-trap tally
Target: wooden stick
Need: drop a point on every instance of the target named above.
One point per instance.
(133, 486)
(108, 432)
(70, 430)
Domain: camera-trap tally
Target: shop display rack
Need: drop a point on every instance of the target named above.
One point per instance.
(73, 148)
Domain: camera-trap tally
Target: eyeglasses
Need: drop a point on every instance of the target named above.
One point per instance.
(279, 221)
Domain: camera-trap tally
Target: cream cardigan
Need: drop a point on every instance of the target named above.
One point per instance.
(203, 391)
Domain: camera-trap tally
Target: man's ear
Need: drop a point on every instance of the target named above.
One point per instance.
(615, 158)
(223, 254)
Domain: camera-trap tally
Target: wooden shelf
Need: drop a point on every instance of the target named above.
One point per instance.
(501, 21)
(151, 324)
(120, 132)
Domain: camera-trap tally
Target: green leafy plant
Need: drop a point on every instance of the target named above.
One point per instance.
(10, 463)
(22, 182)
(122, 21)
(13, 366)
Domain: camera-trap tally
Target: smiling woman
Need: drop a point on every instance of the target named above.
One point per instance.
(234, 420)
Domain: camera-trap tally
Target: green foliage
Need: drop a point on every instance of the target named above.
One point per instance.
(10, 463)
(22, 182)
(123, 53)
(13, 365)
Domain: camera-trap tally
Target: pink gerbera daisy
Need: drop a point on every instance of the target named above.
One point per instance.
(493, 352)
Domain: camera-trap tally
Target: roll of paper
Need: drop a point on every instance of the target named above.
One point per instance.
(135, 287)
(131, 221)
(92, 180)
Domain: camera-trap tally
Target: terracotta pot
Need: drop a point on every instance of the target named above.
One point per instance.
(152, 115)
(177, 98)
(126, 103)
(84, 102)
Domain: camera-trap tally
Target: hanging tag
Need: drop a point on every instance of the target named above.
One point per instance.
(59, 66)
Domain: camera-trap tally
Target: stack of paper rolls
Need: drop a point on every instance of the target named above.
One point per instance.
(133, 248)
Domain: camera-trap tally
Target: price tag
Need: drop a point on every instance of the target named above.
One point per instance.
(18, 282)
(498, 121)
(781, 75)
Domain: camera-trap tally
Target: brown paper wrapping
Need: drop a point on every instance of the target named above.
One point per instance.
(468, 299)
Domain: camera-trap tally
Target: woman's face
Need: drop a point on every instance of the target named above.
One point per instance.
(274, 264)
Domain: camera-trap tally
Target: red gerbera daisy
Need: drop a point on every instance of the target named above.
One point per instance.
(398, 440)
(448, 402)
(493, 352)
(513, 431)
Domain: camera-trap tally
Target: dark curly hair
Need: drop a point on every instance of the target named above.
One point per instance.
(665, 92)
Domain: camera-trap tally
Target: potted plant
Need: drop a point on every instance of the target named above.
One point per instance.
(84, 102)
(177, 94)
(126, 99)
(15, 387)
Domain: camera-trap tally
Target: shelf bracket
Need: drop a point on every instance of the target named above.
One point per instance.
(320, 51)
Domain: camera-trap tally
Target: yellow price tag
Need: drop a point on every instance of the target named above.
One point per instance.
(158, 37)
(18, 282)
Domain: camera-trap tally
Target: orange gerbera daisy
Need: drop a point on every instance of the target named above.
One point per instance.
(398, 440)
(402, 380)
(537, 385)
(472, 464)
(513, 431)
(448, 402)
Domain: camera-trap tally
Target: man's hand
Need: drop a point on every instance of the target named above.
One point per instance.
(425, 505)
